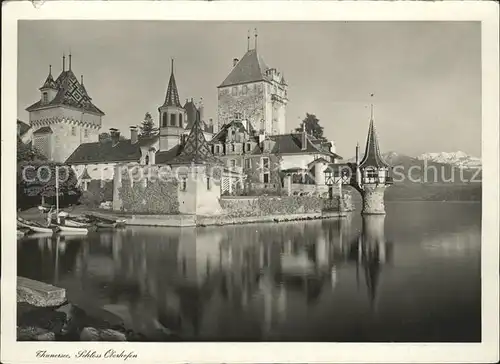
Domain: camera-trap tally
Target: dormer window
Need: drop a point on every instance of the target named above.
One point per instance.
(45, 97)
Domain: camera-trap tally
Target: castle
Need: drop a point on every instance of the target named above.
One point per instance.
(248, 137)
(64, 117)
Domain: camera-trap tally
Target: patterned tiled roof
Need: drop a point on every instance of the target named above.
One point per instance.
(196, 149)
(70, 93)
(43, 130)
(372, 157)
(251, 68)
(172, 96)
(105, 152)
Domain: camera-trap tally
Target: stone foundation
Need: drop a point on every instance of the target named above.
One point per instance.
(373, 199)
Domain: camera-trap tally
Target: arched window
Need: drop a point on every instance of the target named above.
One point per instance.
(164, 120)
(180, 120)
(172, 120)
(146, 160)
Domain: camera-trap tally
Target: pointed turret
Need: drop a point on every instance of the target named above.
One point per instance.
(49, 82)
(172, 96)
(172, 116)
(372, 157)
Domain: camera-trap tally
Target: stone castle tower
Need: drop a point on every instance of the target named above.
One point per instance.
(64, 117)
(254, 91)
(172, 116)
(373, 174)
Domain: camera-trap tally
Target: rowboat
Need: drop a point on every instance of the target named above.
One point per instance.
(106, 225)
(105, 222)
(75, 223)
(72, 229)
(34, 226)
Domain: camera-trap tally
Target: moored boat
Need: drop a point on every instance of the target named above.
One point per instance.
(34, 226)
(72, 229)
(106, 225)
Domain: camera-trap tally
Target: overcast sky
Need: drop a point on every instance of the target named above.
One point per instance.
(426, 76)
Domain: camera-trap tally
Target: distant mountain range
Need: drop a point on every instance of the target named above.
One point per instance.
(459, 158)
(434, 177)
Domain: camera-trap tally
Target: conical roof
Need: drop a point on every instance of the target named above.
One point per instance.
(172, 96)
(49, 82)
(196, 149)
(372, 157)
(251, 68)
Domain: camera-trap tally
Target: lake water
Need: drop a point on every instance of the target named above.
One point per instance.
(413, 275)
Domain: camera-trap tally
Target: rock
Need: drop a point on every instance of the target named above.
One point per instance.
(42, 317)
(111, 335)
(31, 333)
(93, 334)
(38, 293)
(89, 334)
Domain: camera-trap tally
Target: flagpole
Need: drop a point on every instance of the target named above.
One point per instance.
(57, 194)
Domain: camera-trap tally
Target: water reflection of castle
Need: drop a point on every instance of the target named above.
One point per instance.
(196, 280)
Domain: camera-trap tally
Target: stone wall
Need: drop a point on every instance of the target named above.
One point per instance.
(250, 103)
(373, 199)
(152, 196)
(286, 205)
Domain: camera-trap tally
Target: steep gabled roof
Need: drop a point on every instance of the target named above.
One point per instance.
(172, 96)
(221, 136)
(251, 68)
(105, 152)
(372, 157)
(196, 149)
(70, 92)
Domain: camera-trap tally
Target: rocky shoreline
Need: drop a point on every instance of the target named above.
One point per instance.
(68, 322)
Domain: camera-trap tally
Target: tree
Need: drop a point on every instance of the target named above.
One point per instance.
(148, 126)
(104, 137)
(27, 152)
(312, 127)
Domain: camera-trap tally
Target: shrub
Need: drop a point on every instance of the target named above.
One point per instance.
(90, 199)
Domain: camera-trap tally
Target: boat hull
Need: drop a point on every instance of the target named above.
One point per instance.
(35, 228)
(73, 230)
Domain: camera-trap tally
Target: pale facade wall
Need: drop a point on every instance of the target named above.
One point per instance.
(67, 137)
(275, 109)
(298, 160)
(39, 116)
(96, 171)
(167, 142)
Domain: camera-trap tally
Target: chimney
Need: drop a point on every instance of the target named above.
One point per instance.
(115, 135)
(304, 137)
(235, 61)
(133, 134)
(357, 154)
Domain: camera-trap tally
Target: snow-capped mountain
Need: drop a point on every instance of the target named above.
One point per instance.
(459, 159)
